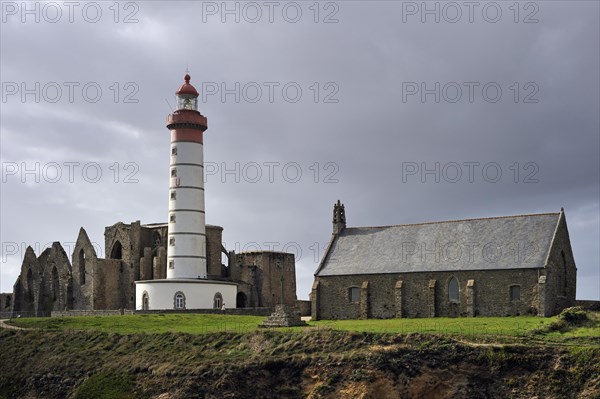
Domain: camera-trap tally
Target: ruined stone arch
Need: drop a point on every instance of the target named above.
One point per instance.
(241, 300)
(156, 242)
(117, 250)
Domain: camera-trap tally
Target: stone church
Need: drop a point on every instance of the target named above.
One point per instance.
(53, 282)
(500, 266)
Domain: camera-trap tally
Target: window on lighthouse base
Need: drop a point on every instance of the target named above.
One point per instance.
(179, 300)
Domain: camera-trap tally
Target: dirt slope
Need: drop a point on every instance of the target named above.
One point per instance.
(269, 364)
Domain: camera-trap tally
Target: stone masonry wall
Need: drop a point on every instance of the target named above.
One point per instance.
(274, 275)
(426, 294)
(561, 273)
(214, 244)
(84, 262)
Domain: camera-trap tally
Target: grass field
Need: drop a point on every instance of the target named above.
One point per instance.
(148, 324)
(478, 327)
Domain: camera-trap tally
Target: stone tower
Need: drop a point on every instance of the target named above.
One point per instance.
(339, 218)
(186, 247)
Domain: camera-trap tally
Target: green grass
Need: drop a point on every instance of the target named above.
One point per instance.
(149, 324)
(487, 328)
(472, 326)
(106, 386)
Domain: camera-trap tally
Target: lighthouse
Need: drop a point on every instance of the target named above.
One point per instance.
(186, 251)
(186, 285)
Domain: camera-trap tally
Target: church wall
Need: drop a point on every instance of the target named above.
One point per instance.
(427, 294)
(561, 272)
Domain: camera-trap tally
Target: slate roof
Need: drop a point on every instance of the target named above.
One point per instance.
(511, 242)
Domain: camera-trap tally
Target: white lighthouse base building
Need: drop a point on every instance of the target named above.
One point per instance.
(183, 294)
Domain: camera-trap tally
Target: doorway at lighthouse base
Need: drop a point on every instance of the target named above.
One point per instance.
(181, 294)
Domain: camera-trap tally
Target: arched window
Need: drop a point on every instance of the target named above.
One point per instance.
(563, 283)
(453, 290)
(218, 301)
(117, 251)
(179, 300)
(240, 300)
(145, 301)
(55, 284)
(30, 286)
(81, 267)
(156, 239)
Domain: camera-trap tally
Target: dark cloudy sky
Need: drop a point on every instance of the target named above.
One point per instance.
(405, 111)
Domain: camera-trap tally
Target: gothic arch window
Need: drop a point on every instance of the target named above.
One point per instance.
(218, 301)
(453, 290)
(55, 284)
(179, 300)
(145, 301)
(156, 242)
(82, 267)
(563, 283)
(29, 285)
(117, 251)
(156, 239)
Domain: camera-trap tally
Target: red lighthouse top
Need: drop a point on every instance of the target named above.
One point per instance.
(187, 88)
(186, 123)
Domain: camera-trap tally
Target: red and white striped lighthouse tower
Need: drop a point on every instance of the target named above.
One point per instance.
(186, 285)
(186, 251)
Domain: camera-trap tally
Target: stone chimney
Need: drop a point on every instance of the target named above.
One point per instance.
(339, 218)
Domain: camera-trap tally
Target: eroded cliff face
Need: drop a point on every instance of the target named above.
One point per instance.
(271, 364)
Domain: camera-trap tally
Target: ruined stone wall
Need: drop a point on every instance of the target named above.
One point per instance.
(110, 276)
(123, 242)
(214, 239)
(481, 293)
(44, 284)
(84, 262)
(26, 290)
(274, 276)
(6, 302)
(57, 286)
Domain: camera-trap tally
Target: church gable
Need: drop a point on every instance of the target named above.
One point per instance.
(515, 242)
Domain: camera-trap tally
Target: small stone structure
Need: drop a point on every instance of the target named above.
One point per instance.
(284, 316)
